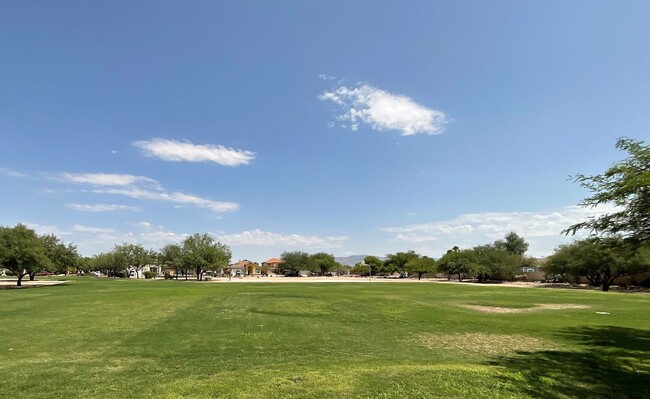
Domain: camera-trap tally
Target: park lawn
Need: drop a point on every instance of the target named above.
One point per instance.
(108, 338)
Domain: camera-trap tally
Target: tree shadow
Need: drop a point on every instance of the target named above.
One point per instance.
(614, 363)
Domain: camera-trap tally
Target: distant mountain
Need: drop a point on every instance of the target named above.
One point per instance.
(353, 259)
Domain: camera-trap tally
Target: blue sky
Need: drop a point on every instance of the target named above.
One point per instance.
(347, 127)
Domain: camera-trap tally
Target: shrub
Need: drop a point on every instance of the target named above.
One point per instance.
(149, 275)
(555, 278)
(120, 274)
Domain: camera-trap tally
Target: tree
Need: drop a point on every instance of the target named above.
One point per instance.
(322, 263)
(626, 185)
(63, 258)
(201, 253)
(171, 255)
(21, 251)
(294, 262)
(495, 261)
(396, 262)
(372, 264)
(513, 244)
(599, 260)
(132, 257)
(420, 266)
(461, 263)
(106, 263)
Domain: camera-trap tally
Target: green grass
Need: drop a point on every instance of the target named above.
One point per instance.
(104, 338)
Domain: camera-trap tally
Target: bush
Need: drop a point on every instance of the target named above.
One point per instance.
(149, 275)
(555, 278)
(120, 275)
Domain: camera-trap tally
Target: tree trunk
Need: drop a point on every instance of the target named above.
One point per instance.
(32, 275)
(420, 276)
(20, 280)
(460, 277)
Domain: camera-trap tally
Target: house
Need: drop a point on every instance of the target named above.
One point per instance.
(244, 268)
(270, 266)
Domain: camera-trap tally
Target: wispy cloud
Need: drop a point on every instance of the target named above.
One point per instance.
(323, 76)
(494, 225)
(12, 173)
(381, 111)
(104, 179)
(175, 197)
(172, 150)
(259, 237)
(139, 187)
(93, 230)
(103, 207)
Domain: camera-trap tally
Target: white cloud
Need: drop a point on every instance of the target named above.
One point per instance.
(543, 227)
(497, 224)
(104, 179)
(172, 150)
(93, 230)
(382, 110)
(12, 173)
(323, 76)
(46, 229)
(176, 197)
(144, 225)
(259, 237)
(103, 207)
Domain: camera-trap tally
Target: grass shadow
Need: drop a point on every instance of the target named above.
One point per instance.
(614, 363)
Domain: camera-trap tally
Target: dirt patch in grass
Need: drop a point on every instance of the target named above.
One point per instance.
(536, 308)
(483, 343)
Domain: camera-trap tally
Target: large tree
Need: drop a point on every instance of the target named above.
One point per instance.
(458, 262)
(132, 257)
(599, 260)
(323, 262)
(21, 251)
(513, 244)
(202, 253)
(494, 261)
(171, 255)
(420, 266)
(294, 262)
(396, 262)
(63, 258)
(626, 186)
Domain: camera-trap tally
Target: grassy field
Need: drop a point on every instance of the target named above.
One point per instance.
(105, 338)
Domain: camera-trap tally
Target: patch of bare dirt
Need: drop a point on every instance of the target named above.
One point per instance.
(536, 308)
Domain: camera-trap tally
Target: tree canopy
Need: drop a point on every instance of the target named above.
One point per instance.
(21, 251)
(599, 260)
(626, 186)
(201, 253)
(294, 262)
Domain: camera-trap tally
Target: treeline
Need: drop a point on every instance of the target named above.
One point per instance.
(500, 260)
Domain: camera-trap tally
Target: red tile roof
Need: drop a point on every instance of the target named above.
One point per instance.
(273, 260)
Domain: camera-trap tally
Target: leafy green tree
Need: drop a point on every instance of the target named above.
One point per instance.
(21, 251)
(63, 258)
(459, 262)
(495, 262)
(599, 260)
(106, 263)
(201, 253)
(322, 263)
(397, 262)
(171, 255)
(132, 257)
(294, 262)
(420, 266)
(513, 244)
(373, 265)
(626, 184)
